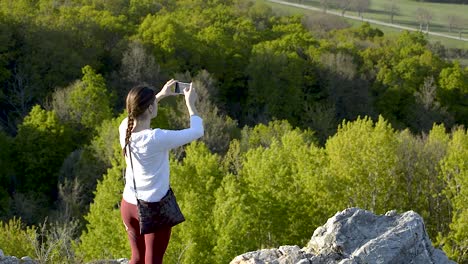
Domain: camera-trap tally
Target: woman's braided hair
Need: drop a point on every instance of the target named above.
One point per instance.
(138, 100)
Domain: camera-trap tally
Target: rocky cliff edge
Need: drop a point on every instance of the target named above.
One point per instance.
(356, 236)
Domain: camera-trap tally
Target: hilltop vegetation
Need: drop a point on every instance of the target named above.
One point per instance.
(300, 123)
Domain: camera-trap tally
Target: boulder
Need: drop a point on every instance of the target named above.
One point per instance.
(356, 236)
(15, 260)
(28, 260)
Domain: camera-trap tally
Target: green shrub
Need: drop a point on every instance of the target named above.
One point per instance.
(16, 239)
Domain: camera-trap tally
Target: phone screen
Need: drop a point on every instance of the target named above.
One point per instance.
(180, 87)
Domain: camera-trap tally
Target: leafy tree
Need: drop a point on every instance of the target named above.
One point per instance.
(49, 50)
(278, 72)
(116, 7)
(349, 95)
(105, 31)
(104, 221)
(232, 222)
(287, 160)
(60, 103)
(418, 169)
(402, 73)
(21, 10)
(428, 110)
(435, 150)
(173, 43)
(348, 91)
(225, 46)
(216, 33)
(195, 180)
(7, 42)
(365, 31)
(40, 147)
(321, 118)
(83, 167)
(275, 197)
(260, 14)
(6, 172)
(200, 36)
(90, 101)
(454, 78)
(263, 135)
(455, 172)
(139, 66)
(104, 213)
(453, 92)
(363, 158)
(138, 9)
(259, 136)
(33, 207)
(96, 35)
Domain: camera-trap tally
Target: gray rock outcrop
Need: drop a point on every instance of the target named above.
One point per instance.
(356, 236)
(14, 260)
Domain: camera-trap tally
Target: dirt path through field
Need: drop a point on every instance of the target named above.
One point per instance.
(372, 21)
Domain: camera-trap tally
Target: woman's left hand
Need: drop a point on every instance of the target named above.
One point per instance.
(166, 90)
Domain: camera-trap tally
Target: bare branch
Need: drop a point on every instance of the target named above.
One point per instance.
(392, 9)
(424, 16)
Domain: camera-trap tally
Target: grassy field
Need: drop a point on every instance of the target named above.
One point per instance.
(406, 17)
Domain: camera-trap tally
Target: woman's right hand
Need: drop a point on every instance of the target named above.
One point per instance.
(190, 99)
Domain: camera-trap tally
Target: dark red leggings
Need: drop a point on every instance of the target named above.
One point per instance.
(146, 249)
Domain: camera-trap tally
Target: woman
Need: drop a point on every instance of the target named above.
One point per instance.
(150, 157)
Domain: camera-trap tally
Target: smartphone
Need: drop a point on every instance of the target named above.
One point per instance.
(179, 87)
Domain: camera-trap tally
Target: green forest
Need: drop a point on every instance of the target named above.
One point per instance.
(300, 122)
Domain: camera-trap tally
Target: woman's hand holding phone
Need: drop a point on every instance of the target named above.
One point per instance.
(179, 87)
(173, 87)
(167, 90)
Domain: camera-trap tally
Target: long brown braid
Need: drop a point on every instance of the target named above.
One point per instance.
(138, 100)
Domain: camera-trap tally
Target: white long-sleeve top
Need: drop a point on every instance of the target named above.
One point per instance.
(150, 156)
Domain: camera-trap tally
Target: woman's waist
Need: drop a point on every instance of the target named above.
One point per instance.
(151, 192)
